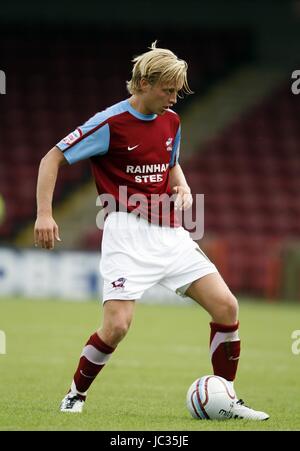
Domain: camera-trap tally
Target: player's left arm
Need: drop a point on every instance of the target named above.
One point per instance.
(179, 186)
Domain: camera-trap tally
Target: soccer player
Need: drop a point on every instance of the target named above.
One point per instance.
(134, 144)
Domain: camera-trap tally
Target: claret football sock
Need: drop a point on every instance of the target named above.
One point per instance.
(93, 358)
(224, 349)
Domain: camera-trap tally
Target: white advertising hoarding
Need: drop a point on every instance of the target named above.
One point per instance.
(66, 275)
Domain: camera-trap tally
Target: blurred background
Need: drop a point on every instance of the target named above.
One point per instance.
(241, 137)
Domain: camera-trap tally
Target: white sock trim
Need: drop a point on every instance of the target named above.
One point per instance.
(94, 355)
(221, 337)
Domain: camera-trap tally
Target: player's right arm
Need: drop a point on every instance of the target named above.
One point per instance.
(88, 140)
(46, 229)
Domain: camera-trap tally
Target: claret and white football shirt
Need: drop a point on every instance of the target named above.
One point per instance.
(127, 148)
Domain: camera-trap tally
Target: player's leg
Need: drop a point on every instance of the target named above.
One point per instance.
(128, 269)
(191, 273)
(97, 351)
(212, 293)
(117, 317)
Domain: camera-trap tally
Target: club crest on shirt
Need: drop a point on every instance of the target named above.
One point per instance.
(119, 283)
(169, 144)
(69, 139)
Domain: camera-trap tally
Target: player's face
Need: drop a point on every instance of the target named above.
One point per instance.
(159, 97)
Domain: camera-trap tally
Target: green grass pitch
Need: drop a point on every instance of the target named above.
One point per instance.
(144, 385)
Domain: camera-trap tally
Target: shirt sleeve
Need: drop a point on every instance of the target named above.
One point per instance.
(176, 149)
(88, 140)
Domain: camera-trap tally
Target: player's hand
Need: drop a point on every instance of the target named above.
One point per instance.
(184, 199)
(45, 232)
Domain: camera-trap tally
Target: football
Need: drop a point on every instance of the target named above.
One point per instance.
(210, 398)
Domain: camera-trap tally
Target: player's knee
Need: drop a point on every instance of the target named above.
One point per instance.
(114, 330)
(120, 328)
(228, 309)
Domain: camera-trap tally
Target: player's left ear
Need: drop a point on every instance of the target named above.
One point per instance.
(145, 85)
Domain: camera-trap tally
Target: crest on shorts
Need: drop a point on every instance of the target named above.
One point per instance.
(119, 283)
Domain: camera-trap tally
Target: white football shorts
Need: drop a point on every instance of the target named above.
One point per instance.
(137, 255)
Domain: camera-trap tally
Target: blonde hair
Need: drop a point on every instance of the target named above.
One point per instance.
(159, 65)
